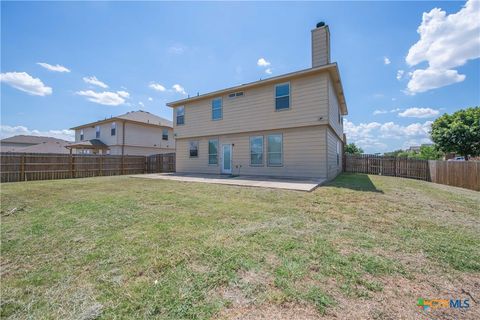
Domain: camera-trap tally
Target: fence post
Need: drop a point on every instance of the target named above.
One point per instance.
(72, 166)
(22, 168)
(101, 165)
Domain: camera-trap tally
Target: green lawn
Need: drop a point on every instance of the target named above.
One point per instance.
(119, 247)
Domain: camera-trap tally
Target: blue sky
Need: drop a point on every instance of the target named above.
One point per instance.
(128, 56)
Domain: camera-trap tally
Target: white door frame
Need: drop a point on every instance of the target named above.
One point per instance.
(229, 146)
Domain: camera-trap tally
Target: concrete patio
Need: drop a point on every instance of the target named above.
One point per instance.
(245, 181)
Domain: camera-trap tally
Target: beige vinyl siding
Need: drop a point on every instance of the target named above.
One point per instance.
(320, 46)
(333, 168)
(138, 151)
(256, 109)
(146, 136)
(139, 139)
(304, 152)
(334, 110)
(89, 133)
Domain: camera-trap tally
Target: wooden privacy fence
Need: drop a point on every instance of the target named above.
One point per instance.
(465, 174)
(161, 163)
(46, 166)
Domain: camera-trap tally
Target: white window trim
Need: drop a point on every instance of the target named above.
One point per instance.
(176, 116)
(221, 108)
(163, 133)
(97, 132)
(210, 154)
(281, 151)
(289, 96)
(113, 127)
(263, 152)
(198, 149)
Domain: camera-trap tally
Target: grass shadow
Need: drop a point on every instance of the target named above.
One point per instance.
(354, 181)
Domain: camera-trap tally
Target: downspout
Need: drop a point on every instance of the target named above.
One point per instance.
(123, 138)
(123, 147)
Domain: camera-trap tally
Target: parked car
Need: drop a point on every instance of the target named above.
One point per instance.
(457, 159)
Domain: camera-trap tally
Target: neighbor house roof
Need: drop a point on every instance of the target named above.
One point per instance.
(44, 147)
(27, 139)
(332, 68)
(88, 144)
(140, 116)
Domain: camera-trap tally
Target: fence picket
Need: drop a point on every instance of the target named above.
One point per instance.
(465, 174)
(43, 166)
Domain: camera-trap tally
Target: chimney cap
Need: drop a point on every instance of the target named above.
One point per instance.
(320, 24)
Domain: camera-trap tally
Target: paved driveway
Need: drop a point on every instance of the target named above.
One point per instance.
(246, 181)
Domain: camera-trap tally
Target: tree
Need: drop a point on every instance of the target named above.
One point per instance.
(427, 152)
(430, 153)
(459, 132)
(352, 148)
(393, 153)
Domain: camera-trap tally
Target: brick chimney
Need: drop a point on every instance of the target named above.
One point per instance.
(320, 45)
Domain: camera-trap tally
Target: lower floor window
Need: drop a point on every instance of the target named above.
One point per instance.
(256, 151)
(275, 150)
(193, 149)
(213, 151)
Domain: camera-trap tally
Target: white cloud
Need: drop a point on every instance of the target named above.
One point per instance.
(93, 80)
(400, 74)
(140, 103)
(268, 71)
(150, 99)
(446, 42)
(26, 83)
(419, 113)
(177, 49)
(386, 60)
(382, 111)
(106, 98)
(9, 131)
(123, 94)
(179, 89)
(56, 68)
(263, 63)
(157, 86)
(379, 137)
(428, 79)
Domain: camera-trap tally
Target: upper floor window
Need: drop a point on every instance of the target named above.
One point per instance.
(81, 135)
(213, 151)
(113, 130)
(180, 115)
(275, 150)
(217, 109)
(235, 94)
(165, 134)
(282, 96)
(193, 149)
(97, 132)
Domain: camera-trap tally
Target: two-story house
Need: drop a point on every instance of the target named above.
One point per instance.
(287, 125)
(132, 133)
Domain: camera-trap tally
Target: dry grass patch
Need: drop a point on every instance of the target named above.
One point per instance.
(116, 247)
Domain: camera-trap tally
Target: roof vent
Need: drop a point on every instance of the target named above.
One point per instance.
(320, 24)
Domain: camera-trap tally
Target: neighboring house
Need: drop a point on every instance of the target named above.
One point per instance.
(417, 148)
(33, 144)
(132, 133)
(287, 125)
